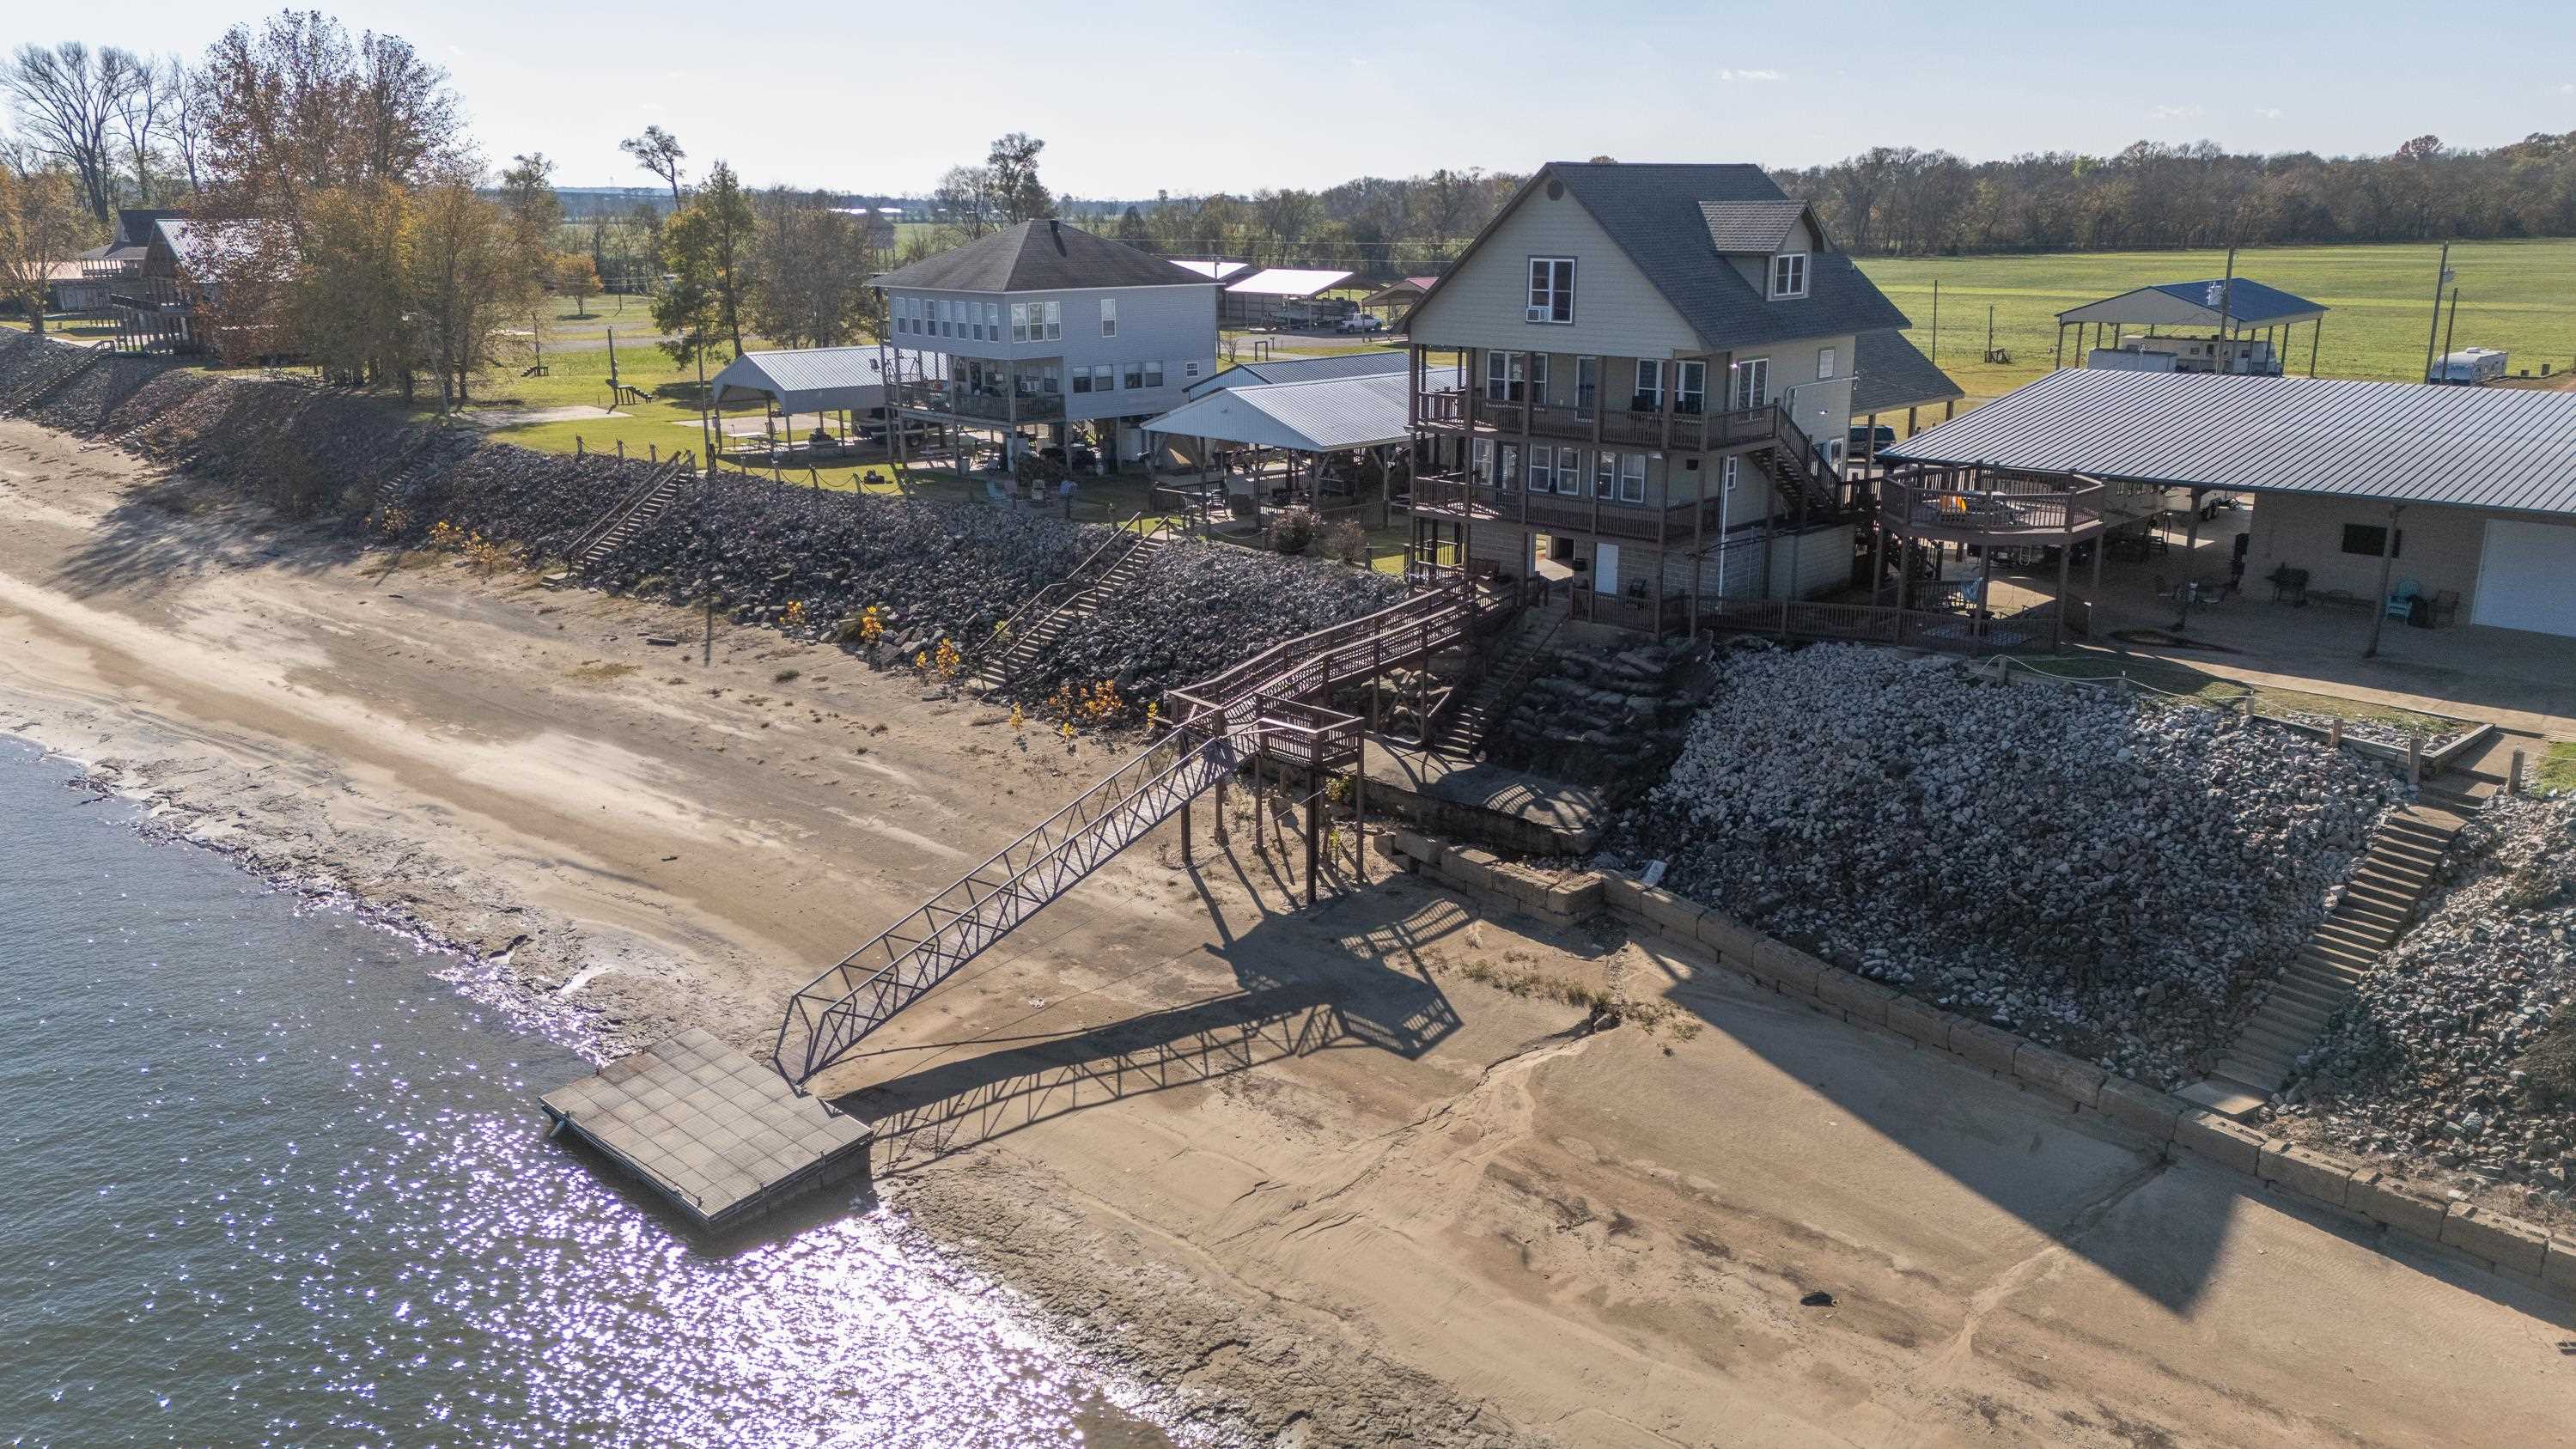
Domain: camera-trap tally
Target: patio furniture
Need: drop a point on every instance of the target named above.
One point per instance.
(2289, 585)
(2445, 608)
(2401, 601)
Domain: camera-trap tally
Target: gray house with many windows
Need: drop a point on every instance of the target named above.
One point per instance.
(1657, 388)
(1042, 333)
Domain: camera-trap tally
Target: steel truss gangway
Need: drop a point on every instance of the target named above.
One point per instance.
(1272, 713)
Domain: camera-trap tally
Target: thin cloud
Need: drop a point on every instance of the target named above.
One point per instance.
(2269, 113)
(2173, 113)
(1749, 75)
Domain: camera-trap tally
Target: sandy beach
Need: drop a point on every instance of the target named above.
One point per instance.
(1349, 1175)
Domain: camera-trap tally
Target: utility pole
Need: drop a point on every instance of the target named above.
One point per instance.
(2226, 299)
(1936, 321)
(2434, 332)
(2446, 333)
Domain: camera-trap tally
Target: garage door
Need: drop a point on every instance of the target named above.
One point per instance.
(2527, 577)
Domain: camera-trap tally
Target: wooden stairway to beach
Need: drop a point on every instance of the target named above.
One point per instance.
(631, 515)
(1041, 621)
(1463, 732)
(2377, 909)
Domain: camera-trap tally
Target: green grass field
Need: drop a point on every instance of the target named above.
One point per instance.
(2517, 295)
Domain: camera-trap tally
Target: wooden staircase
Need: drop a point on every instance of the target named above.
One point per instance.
(2377, 908)
(632, 515)
(1463, 731)
(1116, 566)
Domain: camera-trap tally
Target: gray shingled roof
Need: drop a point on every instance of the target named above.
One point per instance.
(1039, 256)
(1758, 227)
(2393, 442)
(1890, 372)
(1652, 211)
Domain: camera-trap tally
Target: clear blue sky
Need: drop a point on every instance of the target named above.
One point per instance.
(1135, 97)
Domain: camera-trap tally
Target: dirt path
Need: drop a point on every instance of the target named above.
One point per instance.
(1344, 1176)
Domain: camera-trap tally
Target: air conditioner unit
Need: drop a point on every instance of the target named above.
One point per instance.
(1535, 314)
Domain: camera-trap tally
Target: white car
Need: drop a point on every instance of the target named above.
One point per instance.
(1363, 322)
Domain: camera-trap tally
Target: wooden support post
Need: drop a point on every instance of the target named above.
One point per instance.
(1314, 821)
(1220, 786)
(2414, 757)
(1185, 832)
(1359, 807)
(2513, 774)
(2387, 560)
(2334, 733)
(2065, 561)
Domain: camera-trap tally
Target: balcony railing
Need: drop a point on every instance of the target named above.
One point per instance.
(995, 407)
(1463, 497)
(1974, 502)
(1630, 426)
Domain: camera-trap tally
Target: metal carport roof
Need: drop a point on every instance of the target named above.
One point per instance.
(2389, 442)
(2198, 304)
(815, 379)
(1326, 415)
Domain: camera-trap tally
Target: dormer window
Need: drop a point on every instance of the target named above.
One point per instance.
(1551, 289)
(1788, 275)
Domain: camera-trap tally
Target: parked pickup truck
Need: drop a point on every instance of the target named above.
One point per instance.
(1362, 322)
(1858, 443)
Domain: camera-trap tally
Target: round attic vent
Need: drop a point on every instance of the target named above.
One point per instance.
(1555, 190)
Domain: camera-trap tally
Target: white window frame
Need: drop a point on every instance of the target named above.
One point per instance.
(1108, 316)
(993, 321)
(1824, 364)
(1587, 393)
(1480, 461)
(1542, 469)
(1632, 477)
(1551, 291)
(1741, 398)
(1569, 471)
(1505, 371)
(1650, 384)
(1082, 379)
(1189, 369)
(1538, 379)
(1104, 377)
(1605, 474)
(1788, 275)
(1154, 373)
(1690, 387)
(1019, 321)
(1131, 376)
(1054, 321)
(1507, 465)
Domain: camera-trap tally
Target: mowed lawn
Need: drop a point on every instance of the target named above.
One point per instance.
(2517, 295)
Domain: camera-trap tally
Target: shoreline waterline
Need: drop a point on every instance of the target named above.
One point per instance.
(281, 1177)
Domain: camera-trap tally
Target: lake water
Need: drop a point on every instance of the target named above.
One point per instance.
(267, 1181)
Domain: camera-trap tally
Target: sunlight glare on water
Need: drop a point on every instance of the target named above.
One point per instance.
(269, 1183)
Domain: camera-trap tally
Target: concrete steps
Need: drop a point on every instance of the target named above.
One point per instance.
(2375, 910)
(632, 516)
(1018, 653)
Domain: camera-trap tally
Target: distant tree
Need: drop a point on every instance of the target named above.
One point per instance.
(349, 305)
(144, 112)
(707, 250)
(1133, 231)
(658, 151)
(964, 200)
(1017, 194)
(66, 98)
(575, 276)
(43, 225)
(813, 264)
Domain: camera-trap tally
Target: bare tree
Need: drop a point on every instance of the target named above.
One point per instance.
(1017, 193)
(964, 199)
(658, 151)
(143, 110)
(66, 99)
(184, 125)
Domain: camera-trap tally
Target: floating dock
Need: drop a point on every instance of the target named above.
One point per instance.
(720, 1136)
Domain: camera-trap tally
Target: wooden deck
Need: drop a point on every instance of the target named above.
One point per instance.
(719, 1136)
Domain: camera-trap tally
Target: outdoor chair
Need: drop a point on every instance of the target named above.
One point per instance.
(2289, 585)
(2401, 601)
(2445, 608)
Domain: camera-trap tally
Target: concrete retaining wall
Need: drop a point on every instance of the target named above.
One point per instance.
(2518, 1250)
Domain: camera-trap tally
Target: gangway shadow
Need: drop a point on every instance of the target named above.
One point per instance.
(1294, 1002)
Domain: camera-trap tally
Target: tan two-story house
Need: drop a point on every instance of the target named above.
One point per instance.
(1658, 366)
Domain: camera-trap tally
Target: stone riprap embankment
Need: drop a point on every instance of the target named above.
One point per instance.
(771, 553)
(2100, 875)
(2460, 1049)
